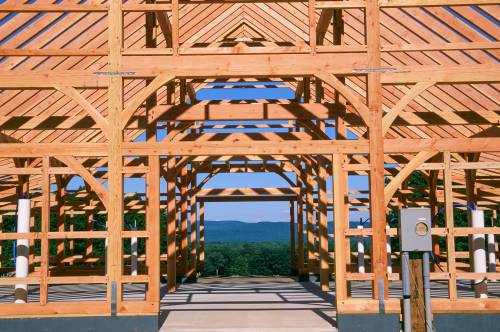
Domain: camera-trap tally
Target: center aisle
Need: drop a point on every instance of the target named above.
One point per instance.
(248, 304)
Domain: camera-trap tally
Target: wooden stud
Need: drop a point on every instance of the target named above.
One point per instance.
(293, 262)
(171, 226)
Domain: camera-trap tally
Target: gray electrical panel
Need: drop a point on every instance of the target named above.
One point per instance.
(415, 229)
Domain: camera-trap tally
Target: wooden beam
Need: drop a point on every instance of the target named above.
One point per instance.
(438, 74)
(50, 79)
(230, 112)
(242, 65)
(221, 148)
(247, 198)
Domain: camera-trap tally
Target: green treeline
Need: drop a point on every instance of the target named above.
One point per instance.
(264, 258)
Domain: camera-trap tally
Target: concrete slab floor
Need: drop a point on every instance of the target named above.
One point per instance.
(248, 304)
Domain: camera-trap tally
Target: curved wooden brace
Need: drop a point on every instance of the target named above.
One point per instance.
(100, 120)
(138, 99)
(348, 94)
(99, 189)
(393, 186)
(414, 92)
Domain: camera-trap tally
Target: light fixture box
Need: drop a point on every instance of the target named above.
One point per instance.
(415, 229)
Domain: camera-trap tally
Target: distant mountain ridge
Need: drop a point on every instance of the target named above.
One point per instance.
(239, 231)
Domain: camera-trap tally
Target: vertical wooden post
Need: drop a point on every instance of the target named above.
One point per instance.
(152, 188)
(89, 245)
(71, 229)
(61, 244)
(341, 131)
(193, 236)
(202, 236)
(171, 226)
(31, 257)
(376, 148)
(153, 227)
(434, 211)
(340, 226)
(44, 255)
(293, 262)
(300, 228)
(323, 226)
(470, 192)
(450, 225)
(311, 259)
(417, 295)
(115, 160)
(183, 264)
(90, 224)
(307, 90)
(175, 27)
(312, 25)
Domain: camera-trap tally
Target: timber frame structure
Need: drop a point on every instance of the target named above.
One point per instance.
(382, 88)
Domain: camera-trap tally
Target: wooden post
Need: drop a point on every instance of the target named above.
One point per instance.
(71, 229)
(193, 235)
(44, 254)
(434, 211)
(340, 225)
(417, 295)
(300, 229)
(171, 226)
(376, 148)
(323, 226)
(202, 237)
(89, 245)
(293, 262)
(175, 27)
(153, 227)
(312, 25)
(115, 160)
(311, 259)
(450, 225)
(61, 244)
(183, 263)
(470, 192)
